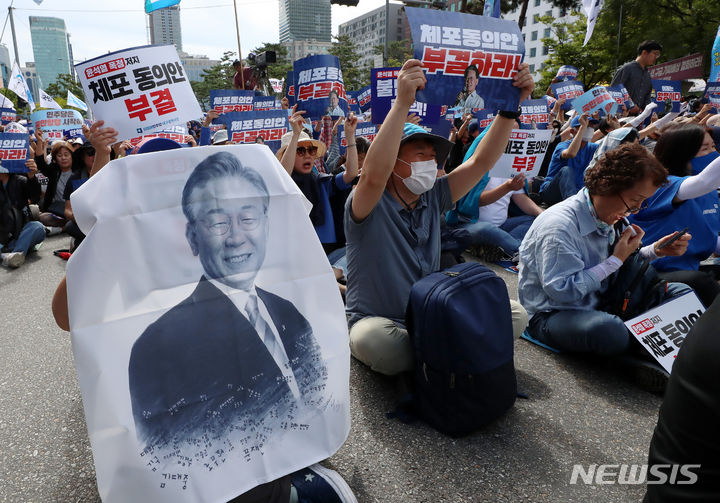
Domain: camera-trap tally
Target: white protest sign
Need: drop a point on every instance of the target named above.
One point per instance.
(140, 90)
(211, 356)
(662, 329)
(524, 153)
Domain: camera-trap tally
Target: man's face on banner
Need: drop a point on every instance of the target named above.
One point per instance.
(334, 100)
(229, 231)
(471, 81)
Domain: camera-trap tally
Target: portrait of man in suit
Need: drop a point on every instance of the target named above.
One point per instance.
(231, 356)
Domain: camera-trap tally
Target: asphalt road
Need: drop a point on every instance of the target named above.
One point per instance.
(578, 412)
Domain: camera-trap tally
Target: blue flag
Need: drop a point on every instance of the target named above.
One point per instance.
(151, 5)
(245, 127)
(319, 87)
(14, 151)
(492, 8)
(383, 87)
(75, 102)
(469, 60)
(715, 59)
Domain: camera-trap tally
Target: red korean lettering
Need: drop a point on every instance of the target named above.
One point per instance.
(460, 61)
(138, 108)
(434, 59)
(163, 101)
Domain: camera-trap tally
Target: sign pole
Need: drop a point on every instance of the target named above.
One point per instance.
(237, 29)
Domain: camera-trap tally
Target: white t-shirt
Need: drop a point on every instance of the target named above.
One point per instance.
(496, 213)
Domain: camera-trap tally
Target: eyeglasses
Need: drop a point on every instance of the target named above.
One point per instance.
(642, 206)
(219, 225)
(310, 150)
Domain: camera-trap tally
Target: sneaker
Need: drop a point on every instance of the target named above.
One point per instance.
(650, 376)
(14, 259)
(317, 484)
(51, 231)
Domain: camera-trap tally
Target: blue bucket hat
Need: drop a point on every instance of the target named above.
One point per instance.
(442, 145)
(156, 145)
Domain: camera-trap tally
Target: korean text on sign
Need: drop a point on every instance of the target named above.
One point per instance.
(225, 101)
(523, 154)
(450, 44)
(315, 79)
(14, 151)
(139, 90)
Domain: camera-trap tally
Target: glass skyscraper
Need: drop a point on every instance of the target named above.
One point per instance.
(50, 48)
(305, 20)
(165, 27)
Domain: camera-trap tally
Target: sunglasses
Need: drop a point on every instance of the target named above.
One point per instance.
(310, 150)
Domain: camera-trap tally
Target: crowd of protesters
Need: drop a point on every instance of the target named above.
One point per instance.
(607, 190)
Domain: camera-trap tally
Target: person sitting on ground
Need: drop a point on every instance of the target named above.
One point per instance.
(686, 201)
(58, 172)
(393, 217)
(572, 248)
(569, 160)
(327, 193)
(86, 156)
(18, 235)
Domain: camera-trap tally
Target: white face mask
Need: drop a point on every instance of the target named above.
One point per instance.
(422, 178)
(588, 134)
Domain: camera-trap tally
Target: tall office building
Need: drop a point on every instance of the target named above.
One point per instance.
(305, 20)
(50, 48)
(368, 31)
(5, 64)
(165, 27)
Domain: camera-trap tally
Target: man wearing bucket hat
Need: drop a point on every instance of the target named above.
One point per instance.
(392, 220)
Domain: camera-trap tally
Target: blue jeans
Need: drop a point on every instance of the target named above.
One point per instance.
(507, 236)
(582, 331)
(560, 187)
(33, 233)
(338, 258)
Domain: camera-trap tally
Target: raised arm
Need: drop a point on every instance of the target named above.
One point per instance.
(288, 159)
(351, 155)
(101, 138)
(380, 158)
(576, 143)
(488, 152)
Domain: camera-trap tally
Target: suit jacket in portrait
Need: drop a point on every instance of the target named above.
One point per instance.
(202, 368)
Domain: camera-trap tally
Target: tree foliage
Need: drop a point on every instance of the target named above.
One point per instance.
(64, 82)
(219, 76)
(399, 51)
(682, 27)
(354, 76)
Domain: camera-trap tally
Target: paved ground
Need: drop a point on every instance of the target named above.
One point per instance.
(579, 412)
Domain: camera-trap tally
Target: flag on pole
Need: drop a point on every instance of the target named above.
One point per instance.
(5, 102)
(715, 59)
(18, 85)
(46, 101)
(492, 8)
(75, 102)
(151, 5)
(592, 11)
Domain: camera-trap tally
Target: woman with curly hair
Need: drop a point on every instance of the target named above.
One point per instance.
(572, 248)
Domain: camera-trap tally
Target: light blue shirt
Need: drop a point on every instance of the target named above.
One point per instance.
(563, 243)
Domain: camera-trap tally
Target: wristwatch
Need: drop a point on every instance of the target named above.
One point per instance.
(510, 115)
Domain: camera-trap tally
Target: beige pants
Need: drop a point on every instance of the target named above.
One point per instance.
(386, 348)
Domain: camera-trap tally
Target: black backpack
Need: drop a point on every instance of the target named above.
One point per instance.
(11, 219)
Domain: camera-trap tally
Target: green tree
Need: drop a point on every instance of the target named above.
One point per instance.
(399, 51)
(594, 61)
(219, 76)
(674, 23)
(354, 76)
(11, 96)
(64, 83)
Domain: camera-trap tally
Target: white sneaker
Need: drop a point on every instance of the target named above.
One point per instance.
(14, 259)
(51, 231)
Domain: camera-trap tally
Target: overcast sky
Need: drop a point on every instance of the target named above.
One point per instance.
(208, 26)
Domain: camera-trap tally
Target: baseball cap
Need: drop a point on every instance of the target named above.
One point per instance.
(221, 135)
(414, 132)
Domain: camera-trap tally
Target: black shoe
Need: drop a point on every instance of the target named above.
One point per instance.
(317, 484)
